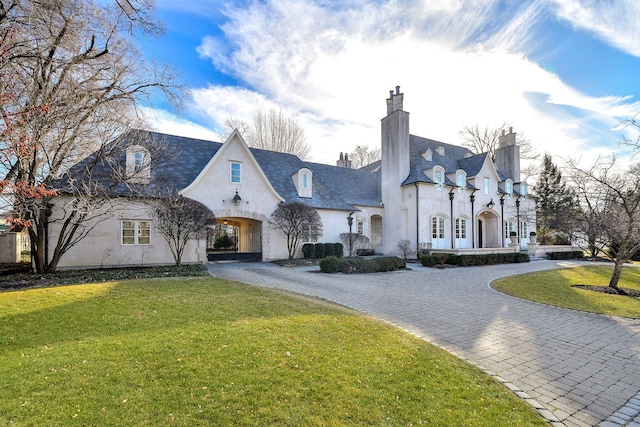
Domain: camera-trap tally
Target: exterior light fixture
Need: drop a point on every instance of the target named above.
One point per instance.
(490, 204)
(237, 199)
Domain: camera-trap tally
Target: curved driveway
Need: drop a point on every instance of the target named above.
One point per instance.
(577, 369)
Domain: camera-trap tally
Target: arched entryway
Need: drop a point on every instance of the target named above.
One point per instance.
(235, 239)
(489, 234)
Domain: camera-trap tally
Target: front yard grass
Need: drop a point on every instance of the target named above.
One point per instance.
(554, 287)
(205, 351)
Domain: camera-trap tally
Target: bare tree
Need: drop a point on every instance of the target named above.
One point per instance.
(271, 131)
(76, 83)
(180, 219)
(355, 242)
(487, 140)
(363, 155)
(611, 199)
(296, 220)
(405, 248)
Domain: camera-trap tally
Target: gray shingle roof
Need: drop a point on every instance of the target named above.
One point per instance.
(333, 187)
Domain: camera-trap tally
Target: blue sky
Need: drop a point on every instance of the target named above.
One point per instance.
(563, 72)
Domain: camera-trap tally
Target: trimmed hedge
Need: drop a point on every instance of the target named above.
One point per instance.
(334, 264)
(308, 250)
(365, 252)
(338, 249)
(470, 260)
(329, 249)
(319, 247)
(557, 256)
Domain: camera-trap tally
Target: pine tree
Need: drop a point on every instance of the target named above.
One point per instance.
(555, 203)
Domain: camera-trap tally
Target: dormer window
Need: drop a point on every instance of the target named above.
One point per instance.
(138, 164)
(461, 181)
(440, 150)
(508, 188)
(428, 155)
(438, 178)
(303, 180)
(523, 189)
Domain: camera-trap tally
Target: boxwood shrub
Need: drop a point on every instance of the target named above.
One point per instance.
(329, 249)
(308, 250)
(338, 249)
(565, 255)
(470, 260)
(319, 249)
(334, 264)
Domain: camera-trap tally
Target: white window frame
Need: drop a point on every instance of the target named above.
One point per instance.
(141, 232)
(138, 164)
(508, 188)
(509, 226)
(487, 185)
(309, 234)
(360, 227)
(438, 178)
(461, 228)
(438, 227)
(235, 178)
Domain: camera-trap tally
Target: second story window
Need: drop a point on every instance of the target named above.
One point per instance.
(235, 173)
(508, 188)
(437, 178)
(486, 185)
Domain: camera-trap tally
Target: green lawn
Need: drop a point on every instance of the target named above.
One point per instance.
(204, 351)
(554, 287)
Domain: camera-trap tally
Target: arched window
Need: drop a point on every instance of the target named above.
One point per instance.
(461, 228)
(438, 177)
(461, 181)
(138, 164)
(508, 188)
(303, 180)
(438, 233)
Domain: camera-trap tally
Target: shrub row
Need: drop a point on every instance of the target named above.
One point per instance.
(321, 250)
(469, 260)
(555, 256)
(358, 265)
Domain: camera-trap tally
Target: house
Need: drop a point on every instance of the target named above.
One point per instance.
(436, 195)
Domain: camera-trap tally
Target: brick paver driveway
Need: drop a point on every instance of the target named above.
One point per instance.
(584, 369)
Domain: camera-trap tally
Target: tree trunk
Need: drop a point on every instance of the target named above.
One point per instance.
(617, 270)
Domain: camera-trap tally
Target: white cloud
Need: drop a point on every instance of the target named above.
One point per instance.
(615, 21)
(458, 63)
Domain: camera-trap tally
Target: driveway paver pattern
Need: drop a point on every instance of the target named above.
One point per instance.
(576, 368)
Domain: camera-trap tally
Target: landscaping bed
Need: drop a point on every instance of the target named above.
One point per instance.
(35, 280)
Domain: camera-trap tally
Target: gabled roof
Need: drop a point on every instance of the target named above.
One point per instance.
(182, 159)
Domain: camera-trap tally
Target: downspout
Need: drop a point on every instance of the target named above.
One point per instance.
(473, 220)
(417, 219)
(518, 218)
(451, 196)
(502, 229)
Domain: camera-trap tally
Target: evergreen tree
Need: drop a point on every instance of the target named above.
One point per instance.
(555, 203)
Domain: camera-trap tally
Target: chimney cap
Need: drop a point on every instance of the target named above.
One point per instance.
(397, 90)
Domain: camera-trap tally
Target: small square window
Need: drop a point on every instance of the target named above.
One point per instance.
(136, 232)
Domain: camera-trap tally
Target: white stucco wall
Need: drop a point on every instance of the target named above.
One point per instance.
(104, 248)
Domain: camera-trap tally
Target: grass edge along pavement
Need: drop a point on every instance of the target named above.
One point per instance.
(198, 351)
(556, 287)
